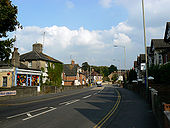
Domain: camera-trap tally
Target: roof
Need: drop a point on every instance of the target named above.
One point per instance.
(159, 44)
(70, 70)
(34, 55)
(167, 32)
(4, 64)
(95, 74)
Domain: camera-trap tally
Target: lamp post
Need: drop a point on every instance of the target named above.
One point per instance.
(124, 52)
(119, 63)
(146, 59)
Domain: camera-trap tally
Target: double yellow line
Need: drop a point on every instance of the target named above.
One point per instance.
(100, 124)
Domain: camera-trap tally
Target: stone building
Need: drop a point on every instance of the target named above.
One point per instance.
(36, 59)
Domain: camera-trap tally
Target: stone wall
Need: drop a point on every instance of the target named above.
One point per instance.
(20, 92)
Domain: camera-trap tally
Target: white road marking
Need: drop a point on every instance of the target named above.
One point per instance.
(26, 113)
(69, 102)
(73, 102)
(39, 114)
(86, 96)
(29, 115)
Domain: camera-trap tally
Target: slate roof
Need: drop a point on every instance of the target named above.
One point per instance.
(33, 55)
(8, 64)
(159, 44)
(70, 70)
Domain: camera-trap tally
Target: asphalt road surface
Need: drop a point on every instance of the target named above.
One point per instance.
(97, 107)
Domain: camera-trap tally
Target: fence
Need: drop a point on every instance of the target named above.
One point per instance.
(155, 101)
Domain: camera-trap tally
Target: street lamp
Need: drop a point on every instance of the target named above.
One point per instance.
(124, 52)
(146, 59)
(119, 63)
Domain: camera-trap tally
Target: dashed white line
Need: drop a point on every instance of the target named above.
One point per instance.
(39, 114)
(69, 102)
(26, 112)
(29, 115)
(73, 102)
(86, 96)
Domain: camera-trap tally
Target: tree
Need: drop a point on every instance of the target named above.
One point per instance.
(112, 68)
(85, 66)
(54, 73)
(114, 77)
(8, 23)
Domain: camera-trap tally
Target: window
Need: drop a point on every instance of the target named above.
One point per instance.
(160, 59)
(4, 81)
(30, 64)
(46, 67)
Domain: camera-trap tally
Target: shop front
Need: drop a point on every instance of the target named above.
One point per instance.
(25, 77)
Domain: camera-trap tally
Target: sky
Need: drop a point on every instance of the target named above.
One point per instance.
(87, 30)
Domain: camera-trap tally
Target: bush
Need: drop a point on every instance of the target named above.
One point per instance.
(161, 73)
(106, 79)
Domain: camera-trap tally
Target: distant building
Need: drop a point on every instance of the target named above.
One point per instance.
(95, 77)
(72, 75)
(36, 59)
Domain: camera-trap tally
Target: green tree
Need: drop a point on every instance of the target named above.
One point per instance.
(114, 77)
(112, 68)
(104, 71)
(85, 66)
(54, 73)
(8, 23)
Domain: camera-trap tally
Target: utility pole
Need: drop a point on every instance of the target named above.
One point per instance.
(90, 75)
(146, 59)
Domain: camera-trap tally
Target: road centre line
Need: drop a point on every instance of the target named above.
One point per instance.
(69, 102)
(100, 124)
(39, 114)
(72, 102)
(26, 112)
(86, 96)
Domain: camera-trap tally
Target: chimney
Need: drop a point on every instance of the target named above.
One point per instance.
(37, 47)
(15, 58)
(72, 62)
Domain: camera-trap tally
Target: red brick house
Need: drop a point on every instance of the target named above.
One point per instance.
(72, 75)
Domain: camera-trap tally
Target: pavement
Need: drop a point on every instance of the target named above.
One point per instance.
(133, 112)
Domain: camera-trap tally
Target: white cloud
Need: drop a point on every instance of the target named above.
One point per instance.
(122, 39)
(123, 27)
(106, 3)
(61, 42)
(69, 4)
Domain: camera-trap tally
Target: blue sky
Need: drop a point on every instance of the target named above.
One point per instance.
(73, 14)
(86, 30)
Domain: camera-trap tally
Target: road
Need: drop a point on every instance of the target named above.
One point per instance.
(96, 107)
